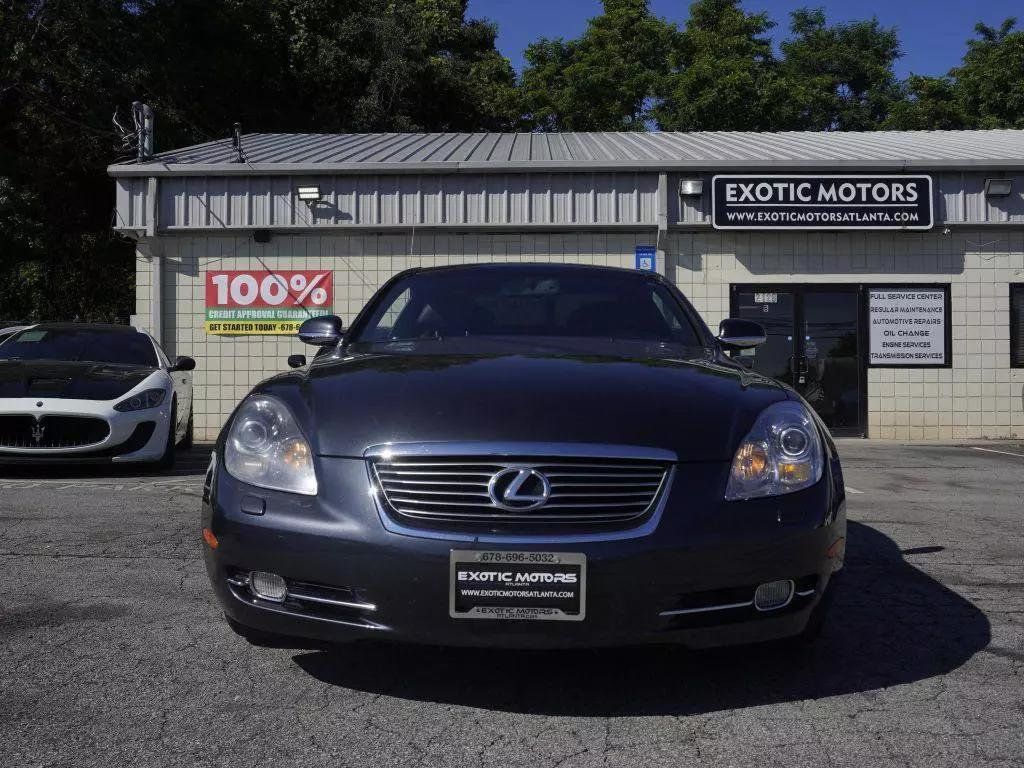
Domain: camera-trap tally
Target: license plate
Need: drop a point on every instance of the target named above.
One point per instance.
(532, 586)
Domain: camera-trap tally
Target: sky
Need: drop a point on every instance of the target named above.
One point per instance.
(932, 32)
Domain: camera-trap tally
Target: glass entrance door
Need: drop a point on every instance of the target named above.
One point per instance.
(813, 345)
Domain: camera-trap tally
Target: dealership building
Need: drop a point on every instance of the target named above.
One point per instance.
(887, 268)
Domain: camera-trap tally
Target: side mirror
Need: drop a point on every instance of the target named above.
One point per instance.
(296, 361)
(184, 364)
(324, 331)
(734, 333)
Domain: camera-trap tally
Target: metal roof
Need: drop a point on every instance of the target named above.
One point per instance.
(298, 153)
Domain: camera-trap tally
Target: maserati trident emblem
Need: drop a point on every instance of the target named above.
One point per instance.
(519, 489)
(37, 432)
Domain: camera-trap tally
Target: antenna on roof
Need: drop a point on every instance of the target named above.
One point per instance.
(144, 120)
(236, 142)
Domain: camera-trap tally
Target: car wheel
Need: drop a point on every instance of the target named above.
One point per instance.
(186, 441)
(258, 637)
(166, 461)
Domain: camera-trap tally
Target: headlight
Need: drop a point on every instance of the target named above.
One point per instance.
(266, 448)
(151, 398)
(782, 453)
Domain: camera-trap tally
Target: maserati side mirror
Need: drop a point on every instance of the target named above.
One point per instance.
(735, 333)
(184, 364)
(323, 331)
(296, 361)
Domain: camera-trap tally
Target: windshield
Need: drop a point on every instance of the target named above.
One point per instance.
(73, 344)
(535, 302)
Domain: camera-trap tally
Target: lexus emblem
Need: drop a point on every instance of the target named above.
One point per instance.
(519, 489)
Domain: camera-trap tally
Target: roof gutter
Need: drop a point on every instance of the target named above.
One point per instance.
(166, 169)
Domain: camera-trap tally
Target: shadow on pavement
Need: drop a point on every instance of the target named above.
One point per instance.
(890, 624)
(187, 463)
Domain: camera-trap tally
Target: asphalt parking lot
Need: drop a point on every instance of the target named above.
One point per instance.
(113, 652)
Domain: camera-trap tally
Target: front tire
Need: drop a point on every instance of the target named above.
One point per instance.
(187, 440)
(166, 461)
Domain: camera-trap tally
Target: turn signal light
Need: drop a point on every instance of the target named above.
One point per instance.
(836, 549)
(209, 538)
(794, 474)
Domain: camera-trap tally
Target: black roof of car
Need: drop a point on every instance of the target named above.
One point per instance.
(108, 327)
(529, 265)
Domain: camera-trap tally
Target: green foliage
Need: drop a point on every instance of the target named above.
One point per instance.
(57, 252)
(724, 75)
(841, 75)
(928, 104)
(604, 79)
(985, 91)
(274, 65)
(990, 81)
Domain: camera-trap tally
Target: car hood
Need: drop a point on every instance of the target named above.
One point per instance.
(68, 380)
(697, 408)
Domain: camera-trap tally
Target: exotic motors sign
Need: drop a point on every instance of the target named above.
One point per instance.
(908, 326)
(260, 302)
(821, 202)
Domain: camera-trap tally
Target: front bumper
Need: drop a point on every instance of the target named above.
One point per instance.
(372, 583)
(134, 436)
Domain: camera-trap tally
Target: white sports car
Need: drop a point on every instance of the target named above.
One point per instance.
(72, 392)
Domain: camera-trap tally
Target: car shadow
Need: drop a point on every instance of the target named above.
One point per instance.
(187, 463)
(891, 624)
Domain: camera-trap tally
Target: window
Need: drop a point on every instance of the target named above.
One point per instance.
(66, 343)
(533, 301)
(1017, 325)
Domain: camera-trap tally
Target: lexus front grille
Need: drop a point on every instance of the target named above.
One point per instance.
(464, 488)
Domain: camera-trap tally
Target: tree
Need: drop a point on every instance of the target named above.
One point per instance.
(990, 80)
(985, 91)
(840, 75)
(275, 65)
(58, 256)
(929, 104)
(602, 80)
(724, 75)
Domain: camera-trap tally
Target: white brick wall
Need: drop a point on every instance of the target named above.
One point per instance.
(980, 396)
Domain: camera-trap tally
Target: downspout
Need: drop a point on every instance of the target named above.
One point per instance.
(155, 262)
(662, 236)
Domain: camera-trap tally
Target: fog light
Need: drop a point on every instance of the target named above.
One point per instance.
(268, 586)
(773, 595)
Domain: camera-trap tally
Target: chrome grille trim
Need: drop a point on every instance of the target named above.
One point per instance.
(438, 482)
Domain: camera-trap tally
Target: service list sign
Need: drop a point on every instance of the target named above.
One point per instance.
(263, 302)
(821, 202)
(907, 327)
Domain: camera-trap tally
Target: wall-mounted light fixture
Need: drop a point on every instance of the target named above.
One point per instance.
(998, 187)
(310, 194)
(691, 187)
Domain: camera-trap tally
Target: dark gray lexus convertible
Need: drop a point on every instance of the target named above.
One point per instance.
(525, 455)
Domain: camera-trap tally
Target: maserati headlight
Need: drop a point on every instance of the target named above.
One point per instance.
(782, 453)
(150, 398)
(265, 447)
